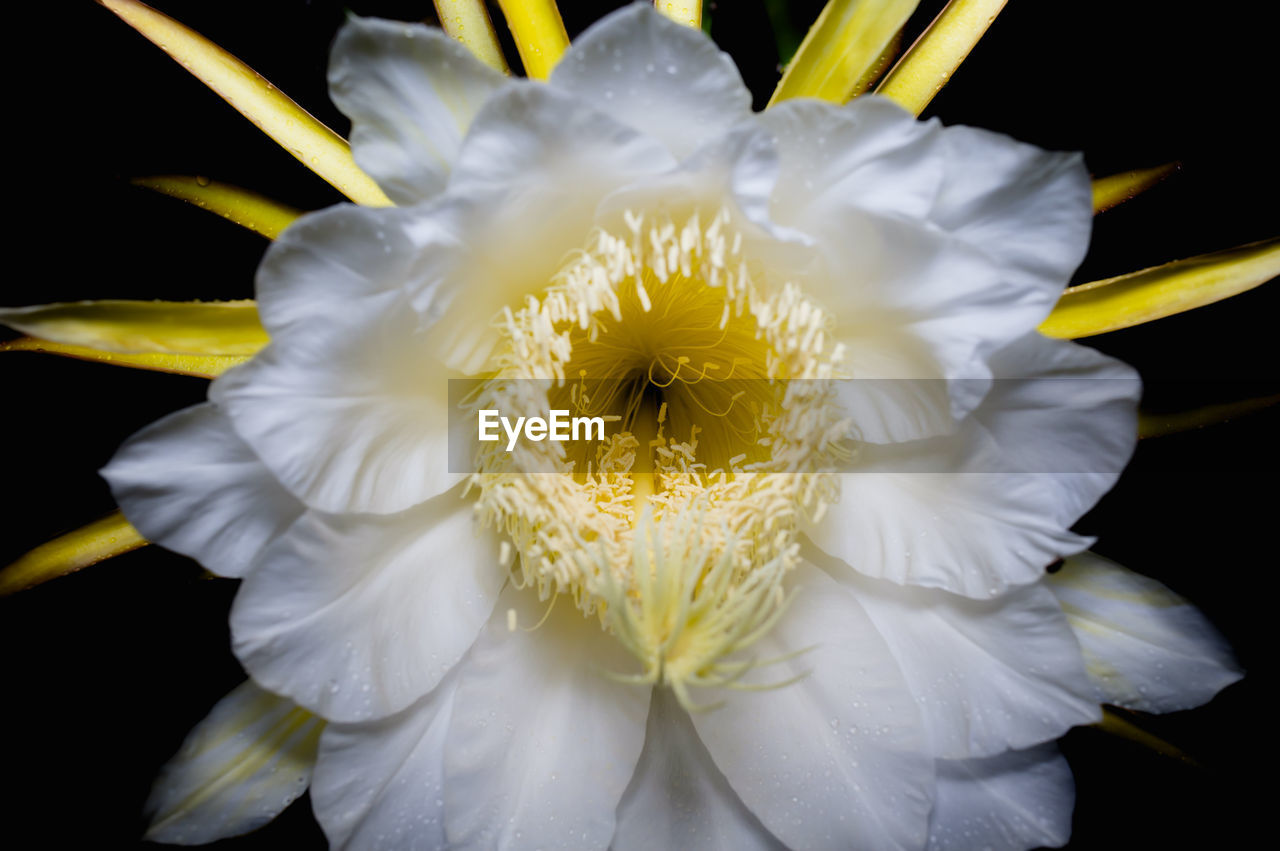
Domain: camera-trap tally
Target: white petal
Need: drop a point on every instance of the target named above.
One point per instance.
(870, 154)
(355, 617)
(380, 785)
(1029, 210)
(188, 483)
(657, 76)
(989, 675)
(837, 759)
(678, 798)
(1145, 647)
(522, 196)
(237, 770)
(933, 513)
(349, 410)
(1010, 802)
(541, 743)
(410, 92)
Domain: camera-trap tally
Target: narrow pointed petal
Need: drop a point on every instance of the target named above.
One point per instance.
(468, 22)
(843, 44)
(187, 328)
(103, 539)
(938, 52)
(248, 209)
(297, 131)
(1159, 425)
(1127, 300)
(688, 12)
(539, 34)
(1115, 189)
(239, 768)
(198, 366)
(1119, 723)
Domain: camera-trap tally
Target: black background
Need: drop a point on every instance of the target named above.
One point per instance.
(105, 671)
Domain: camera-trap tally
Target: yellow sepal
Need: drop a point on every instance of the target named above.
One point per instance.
(297, 131)
(172, 327)
(199, 366)
(538, 32)
(1118, 188)
(687, 12)
(1159, 425)
(468, 22)
(247, 209)
(109, 537)
(841, 47)
(938, 52)
(1160, 291)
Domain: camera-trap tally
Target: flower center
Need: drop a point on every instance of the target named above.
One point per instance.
(678, 529)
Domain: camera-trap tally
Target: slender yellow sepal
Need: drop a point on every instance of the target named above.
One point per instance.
(538, 32)
(883, 61)
(938, 52)
(109, 537)
(1119, 723)
(468, 22)
(199, 366)
(841, 47)
(1118, 188)
(687, 12)
(1159, 425)
(247, 209)
(172, 327)
(314, 144)
(1160, 291)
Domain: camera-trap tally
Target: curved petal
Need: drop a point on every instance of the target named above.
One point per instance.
(664, 79)
(1145, 647)
(1065, 412)
(188, 483)
(237, 770)
(678, 798)
(522, 196)
(989, 675)
(844, 741)
(541, 743)
(348, 410)
(380, 785)
(1017, 800)
(411, 93)
(355, 617)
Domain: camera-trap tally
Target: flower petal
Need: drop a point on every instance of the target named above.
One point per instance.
(989, 675)
(1145, 647)
(347, 406)
(659, 77)
(189, 483)
(844, 742)
(541, 743)
(678, 798)
(411, 93)
(355, 617)
(522, 196)
(1017, 800)
(381, 784)
(237, 770)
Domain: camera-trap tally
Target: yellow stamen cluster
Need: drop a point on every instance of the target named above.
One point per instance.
(678, 530)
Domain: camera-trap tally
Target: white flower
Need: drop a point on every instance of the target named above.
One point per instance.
(823, 621)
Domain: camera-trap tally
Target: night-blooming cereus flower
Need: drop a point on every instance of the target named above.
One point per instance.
(797, 597)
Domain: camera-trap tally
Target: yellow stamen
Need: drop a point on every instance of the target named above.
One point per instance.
(247, 209)
(538, 32)
(938, 52)
(190, 328)
(1115, 189)
(843, 44)
(1160, 291)
(103, 539)
(468, 22)
(315, 145)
